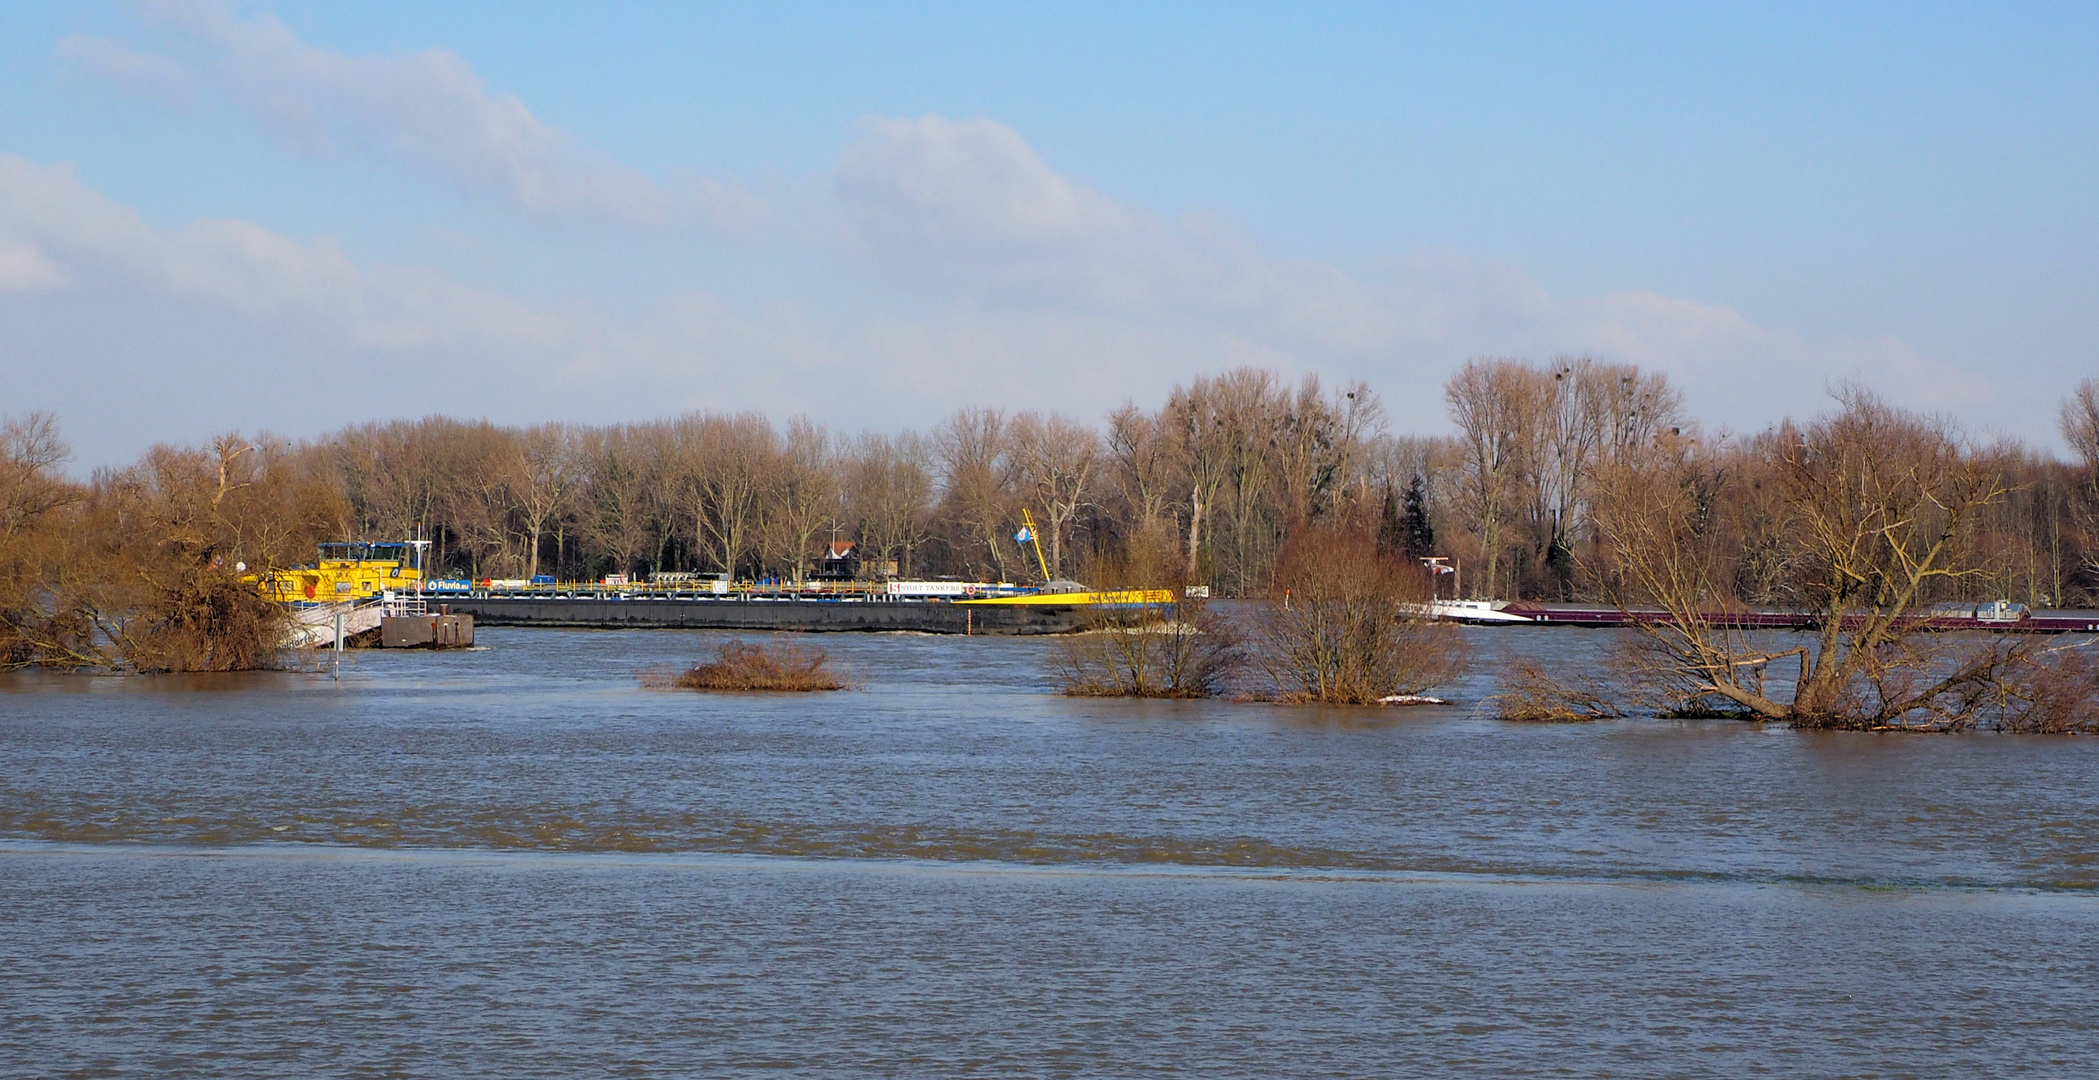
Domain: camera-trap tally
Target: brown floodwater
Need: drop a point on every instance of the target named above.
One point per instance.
(516, 861)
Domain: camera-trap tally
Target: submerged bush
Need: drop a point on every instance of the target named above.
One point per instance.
(1348, 624)
(2051, 691)
(1177, 650)
(1531, 694)
(742, 665)
(1180, 649)
(204, 619)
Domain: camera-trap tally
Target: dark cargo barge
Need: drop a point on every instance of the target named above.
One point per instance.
(846, 616)
(2001, 618)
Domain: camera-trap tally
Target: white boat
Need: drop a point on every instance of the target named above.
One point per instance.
(1473, 611)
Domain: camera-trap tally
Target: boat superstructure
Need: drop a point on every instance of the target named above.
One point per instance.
(348, 571)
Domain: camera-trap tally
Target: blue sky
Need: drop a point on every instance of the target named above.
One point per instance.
(297, 216)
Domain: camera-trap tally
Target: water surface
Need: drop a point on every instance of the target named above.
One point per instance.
(516, 861)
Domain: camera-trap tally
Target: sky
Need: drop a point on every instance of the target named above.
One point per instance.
(287, 218)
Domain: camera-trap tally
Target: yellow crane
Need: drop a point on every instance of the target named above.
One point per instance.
(1073, 595)
(1028, 534)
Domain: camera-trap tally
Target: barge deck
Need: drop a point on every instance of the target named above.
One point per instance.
(737, 613)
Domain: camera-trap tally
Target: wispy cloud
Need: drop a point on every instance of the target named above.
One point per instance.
(55, 233)
(1025, 286)
(970, 207)
(428, 109)
(24, 268)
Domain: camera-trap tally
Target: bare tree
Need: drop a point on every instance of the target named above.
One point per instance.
(1497, 406)
(662, 447)
(547, 465)
(1144, 471)
(1878, 503)
(1253, 408)
(976, 482)
(728, 459)
(1321, 448)
(41, 622)
(1194, 420)
(1591, 413)
(1055, 458)
(30, 486)
(618, 519)
(889, 493)
(803, 497)
(2080, 428)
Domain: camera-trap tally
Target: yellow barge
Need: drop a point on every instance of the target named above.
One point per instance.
(1081, 598)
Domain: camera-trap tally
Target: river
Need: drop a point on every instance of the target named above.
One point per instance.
(515, 861)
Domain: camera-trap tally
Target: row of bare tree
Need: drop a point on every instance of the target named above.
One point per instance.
(1547, 490)
(1523, 494)
(1226, 471)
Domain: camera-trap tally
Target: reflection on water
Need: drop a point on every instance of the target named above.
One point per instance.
(516, 861)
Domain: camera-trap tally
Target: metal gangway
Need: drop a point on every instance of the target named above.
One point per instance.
(315, 625)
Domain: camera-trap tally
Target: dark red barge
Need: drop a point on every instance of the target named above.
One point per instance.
(2000, 617)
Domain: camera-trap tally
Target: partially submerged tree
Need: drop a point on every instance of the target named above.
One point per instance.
(140, 569)
(1178, 649)
(2052, 690)
(169, 534)
(38, 623)
(1874, 507)
(1348, 624)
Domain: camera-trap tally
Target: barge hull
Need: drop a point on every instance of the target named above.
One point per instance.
(2045, 621)
(807, 616)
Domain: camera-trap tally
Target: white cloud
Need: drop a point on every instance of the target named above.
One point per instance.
(970, 207)
(969, 183)
(226, 324)
(239, 265)
(428, 108)
(969, 204)
(1019, 287)
(140, 74)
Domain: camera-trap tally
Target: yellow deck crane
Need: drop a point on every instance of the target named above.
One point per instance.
(1029, 534)
(1065, 592)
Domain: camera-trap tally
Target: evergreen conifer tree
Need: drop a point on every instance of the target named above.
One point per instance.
(1418, 536)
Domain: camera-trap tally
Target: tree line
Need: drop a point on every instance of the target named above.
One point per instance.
(1528, 497)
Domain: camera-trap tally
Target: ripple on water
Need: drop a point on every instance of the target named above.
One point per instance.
(518, 862)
